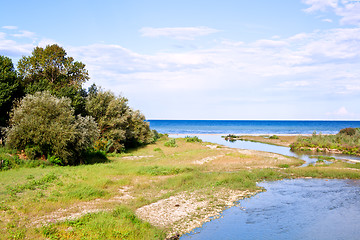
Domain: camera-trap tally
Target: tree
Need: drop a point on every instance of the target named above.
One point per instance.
(49, 69)
(118, 123)
(43, 124)
(9, 89)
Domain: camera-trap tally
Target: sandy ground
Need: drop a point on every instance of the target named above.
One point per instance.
(189, 210)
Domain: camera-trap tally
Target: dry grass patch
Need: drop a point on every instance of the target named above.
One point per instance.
(282, 140)
(247, 159)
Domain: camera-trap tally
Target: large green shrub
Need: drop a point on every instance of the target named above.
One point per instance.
(120, 126)
(45, 125)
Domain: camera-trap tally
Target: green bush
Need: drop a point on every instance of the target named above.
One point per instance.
(95, 156)
(274, 137)
(42, 124)
(55, 160)
(193, 139)
(118, 123)
(171, 143)
(8, 159)
(348, 131)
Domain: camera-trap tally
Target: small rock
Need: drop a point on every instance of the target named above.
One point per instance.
(175, 237)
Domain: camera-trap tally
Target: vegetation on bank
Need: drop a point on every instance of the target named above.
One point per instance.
(47, 115)
(347, 141)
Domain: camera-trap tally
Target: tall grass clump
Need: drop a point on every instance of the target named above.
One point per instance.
(193, 139)
(347, 141)
(171, 143)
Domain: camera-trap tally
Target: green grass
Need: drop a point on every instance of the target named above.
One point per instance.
(121, 223)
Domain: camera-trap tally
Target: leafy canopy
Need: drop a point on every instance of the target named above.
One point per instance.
(50, 69)
(47, 125)
(9, 88)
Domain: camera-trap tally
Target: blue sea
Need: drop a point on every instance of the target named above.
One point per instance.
(249, 126)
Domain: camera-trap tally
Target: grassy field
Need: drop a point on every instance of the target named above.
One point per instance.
(102, 201)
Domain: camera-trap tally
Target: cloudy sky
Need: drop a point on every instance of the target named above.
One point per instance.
(204, 59)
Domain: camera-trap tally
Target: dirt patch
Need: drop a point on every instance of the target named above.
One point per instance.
(136, 157)
(188, 210)
(207, 159)
(282, 140)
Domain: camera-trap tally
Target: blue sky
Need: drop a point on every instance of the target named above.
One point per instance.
(202, 59)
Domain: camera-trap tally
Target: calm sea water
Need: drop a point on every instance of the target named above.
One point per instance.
(249, 126)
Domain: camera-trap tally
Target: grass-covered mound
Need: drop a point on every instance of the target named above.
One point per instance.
(347, 141)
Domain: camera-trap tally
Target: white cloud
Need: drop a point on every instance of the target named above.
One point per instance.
(342, 112)
(349, 11)
(46, 41)
(327, 20)
(267, 43)
(180, 33)
(10, 27)
(24, 34)
(320, 5)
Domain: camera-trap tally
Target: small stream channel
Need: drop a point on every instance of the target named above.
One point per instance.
(307, 157)
(289, 209)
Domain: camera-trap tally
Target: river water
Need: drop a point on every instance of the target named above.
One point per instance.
(289, 209)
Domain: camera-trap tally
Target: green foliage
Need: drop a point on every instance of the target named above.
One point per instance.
(284, 165)
(347, 141)
(348, 131)
(49, 68)
(162, 170)
(45, 125)
(9, 89)
(55, 160)
(171, 143)
(8, 159)
(274, 137)
(118, 123)
(94, 156)
(230, 138)
(193, 139)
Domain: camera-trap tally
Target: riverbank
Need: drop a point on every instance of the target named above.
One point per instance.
(175, 189)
